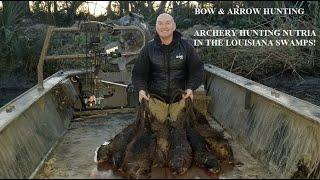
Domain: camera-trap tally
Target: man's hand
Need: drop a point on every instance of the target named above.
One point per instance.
(189, 93)
(143, 95)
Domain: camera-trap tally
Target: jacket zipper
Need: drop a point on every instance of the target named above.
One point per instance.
(168, 72)
(169, 78)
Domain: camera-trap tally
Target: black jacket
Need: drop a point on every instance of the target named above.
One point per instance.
(162, 69)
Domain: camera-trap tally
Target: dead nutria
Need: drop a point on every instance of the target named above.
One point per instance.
(161, 131)
(218, 144)
(201, 153)
(216, 140)
(114, 152)
(138, 159)
(180, 152)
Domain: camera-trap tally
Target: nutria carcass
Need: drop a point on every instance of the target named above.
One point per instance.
(114, 152)
(139, 154)
(138, 159)
(173, 143)
(180, 152)
(216, 140)
(201, 153)
(203, 157)
(161, 132)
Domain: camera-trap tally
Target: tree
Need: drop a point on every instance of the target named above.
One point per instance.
(72, 8)
(20, 7)
(161, 7)
(109, 10)
(124, 7)
(150, 7)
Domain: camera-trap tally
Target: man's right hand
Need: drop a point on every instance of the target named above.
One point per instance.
(143, 95)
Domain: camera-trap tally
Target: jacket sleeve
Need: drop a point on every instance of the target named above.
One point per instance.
(140, 72)
(195, 69)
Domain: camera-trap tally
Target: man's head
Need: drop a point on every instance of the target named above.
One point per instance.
(165, 26)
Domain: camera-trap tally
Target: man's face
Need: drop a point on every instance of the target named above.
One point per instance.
(165, 26)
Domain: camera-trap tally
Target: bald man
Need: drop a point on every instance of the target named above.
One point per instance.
(167, 63)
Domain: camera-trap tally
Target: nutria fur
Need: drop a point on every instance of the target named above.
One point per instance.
(219, 145)
(180, 152)
(114, 152)
(176, 144)
(201, 153)
(139, 154)
(138, 159)
(161, 131)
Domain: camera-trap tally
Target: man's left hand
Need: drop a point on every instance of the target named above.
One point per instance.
(189, 93)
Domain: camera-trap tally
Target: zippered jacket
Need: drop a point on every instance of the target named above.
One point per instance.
(162, 69)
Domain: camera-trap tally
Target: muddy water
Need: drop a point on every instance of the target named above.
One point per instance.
(74, 155)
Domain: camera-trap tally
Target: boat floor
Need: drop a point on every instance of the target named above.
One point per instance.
(74, 155)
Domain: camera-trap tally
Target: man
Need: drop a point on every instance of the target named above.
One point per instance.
(167, 63)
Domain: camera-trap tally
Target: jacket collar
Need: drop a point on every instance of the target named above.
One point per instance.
(176, 38)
